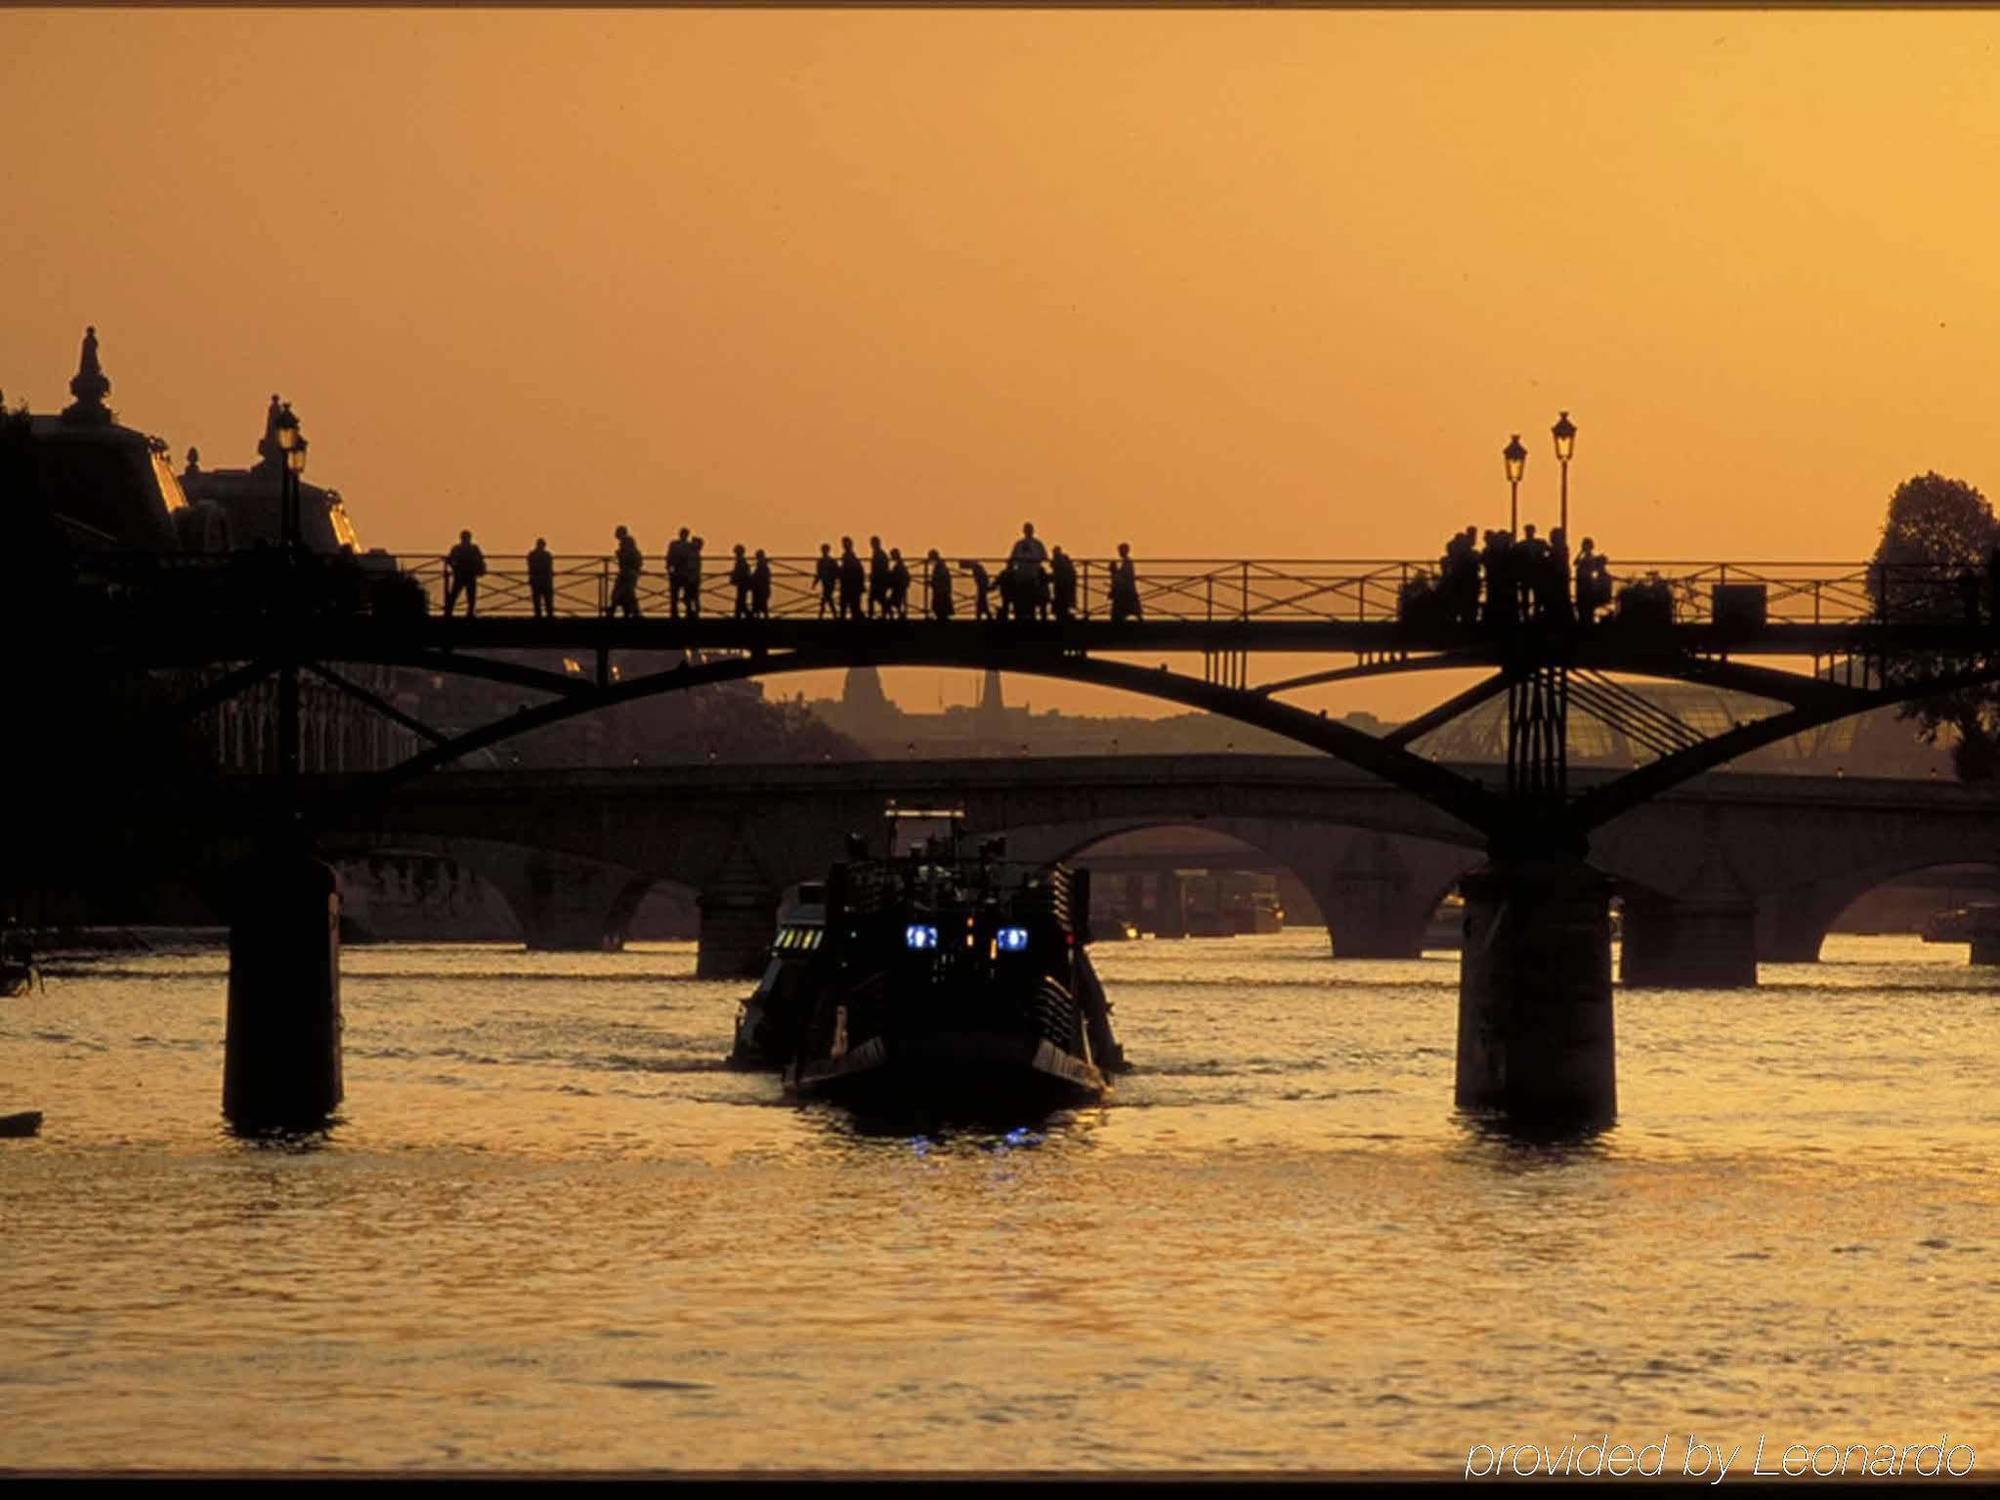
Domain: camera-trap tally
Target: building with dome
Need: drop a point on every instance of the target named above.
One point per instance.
(82, 480)
(251, 501)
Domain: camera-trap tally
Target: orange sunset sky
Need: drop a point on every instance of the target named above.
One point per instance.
(1218, 284)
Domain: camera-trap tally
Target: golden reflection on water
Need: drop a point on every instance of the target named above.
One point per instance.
(552, 1231)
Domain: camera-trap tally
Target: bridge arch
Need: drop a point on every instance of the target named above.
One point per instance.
(1461, 797)
(1375, 890)
(1801, 917)
(553, 900)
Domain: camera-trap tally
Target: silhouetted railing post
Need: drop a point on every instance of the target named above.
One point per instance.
(1244, 612)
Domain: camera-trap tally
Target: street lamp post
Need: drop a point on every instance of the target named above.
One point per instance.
(1517, 465)
(1564, 432)
(292, 447)
(291, 450)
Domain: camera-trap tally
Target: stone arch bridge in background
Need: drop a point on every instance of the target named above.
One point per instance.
(1715, 874)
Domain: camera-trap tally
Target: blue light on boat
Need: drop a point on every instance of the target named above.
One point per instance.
(1011, 939)
(920, 935)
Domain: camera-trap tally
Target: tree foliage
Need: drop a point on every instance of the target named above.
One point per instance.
(1939, 530)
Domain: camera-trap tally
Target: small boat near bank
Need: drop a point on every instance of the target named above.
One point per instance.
(935, 978)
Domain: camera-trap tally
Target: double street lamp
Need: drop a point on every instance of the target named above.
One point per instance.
(1516, 458)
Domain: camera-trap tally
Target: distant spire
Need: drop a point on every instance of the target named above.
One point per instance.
(863, 690)
(990, 701)
(90, 387)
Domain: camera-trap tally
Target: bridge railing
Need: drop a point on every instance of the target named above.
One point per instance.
(1362, 590)
(1200, 590)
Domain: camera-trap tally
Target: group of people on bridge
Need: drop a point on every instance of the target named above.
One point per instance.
(1491, 580)
(1035, 583)
(1496, 580)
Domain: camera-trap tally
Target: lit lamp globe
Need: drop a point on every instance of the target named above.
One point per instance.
(1564, 432)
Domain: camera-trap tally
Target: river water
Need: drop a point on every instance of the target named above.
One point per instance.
(553, 1232)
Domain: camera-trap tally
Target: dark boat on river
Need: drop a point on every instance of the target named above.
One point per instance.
(935, 979)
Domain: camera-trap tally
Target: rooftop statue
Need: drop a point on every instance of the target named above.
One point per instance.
(89, 386)
(268, 451)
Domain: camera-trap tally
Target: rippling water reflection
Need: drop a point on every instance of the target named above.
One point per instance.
(553, 1230)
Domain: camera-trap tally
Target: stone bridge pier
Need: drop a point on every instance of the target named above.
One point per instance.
(1690, 922)
(1791, 926)
(739, 913)
(566, 904)
(1697, 942)
(1376, 891)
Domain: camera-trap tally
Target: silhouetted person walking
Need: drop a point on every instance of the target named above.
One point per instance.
(982, 585)
(464, 565)
(1590, 580)
(897, 600)
(739, 579)
(1461, 576)
(1062, 580)
(691, 563)
(853, 580)
(760, 587)
(1530, 557)
(1502, 592)
(878, 578)
(1024, 591)
(1553, 582)
(625, 592)
(826, 573)
(542, 579)
(677, 564)
(940, 585)
(1125, 587)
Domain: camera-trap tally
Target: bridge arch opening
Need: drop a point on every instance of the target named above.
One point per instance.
(1374, 895)
(1184, 879)
(1947, 904)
